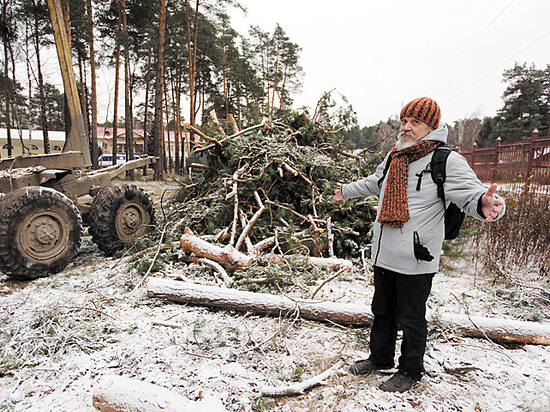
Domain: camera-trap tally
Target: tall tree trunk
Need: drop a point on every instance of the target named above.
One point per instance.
(275, 70)
(30, 89)
(168, 162)
(83, 93)
(8, 97)
(239, 112)
(177, 119)
(159, 85)
(117, 77)
(127, 104)
(94, 151)
(146, 108)
(225, 87)
(43, 120)
(192, 51)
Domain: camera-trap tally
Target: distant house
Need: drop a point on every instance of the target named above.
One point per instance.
(105, 140)
(20, 141)
(34, 145)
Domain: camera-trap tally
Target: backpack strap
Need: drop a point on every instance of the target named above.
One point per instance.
(385, 172)
(438, 168)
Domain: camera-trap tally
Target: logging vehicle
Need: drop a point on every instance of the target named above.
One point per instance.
(46, 199)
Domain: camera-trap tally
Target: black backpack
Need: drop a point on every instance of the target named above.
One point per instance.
(453, 215)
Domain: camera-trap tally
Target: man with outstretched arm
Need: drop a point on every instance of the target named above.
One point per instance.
(408, 236)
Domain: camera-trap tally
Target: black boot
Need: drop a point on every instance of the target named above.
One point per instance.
(400, 382)
(364, 366)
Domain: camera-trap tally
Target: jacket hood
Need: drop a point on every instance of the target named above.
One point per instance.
(439, 134)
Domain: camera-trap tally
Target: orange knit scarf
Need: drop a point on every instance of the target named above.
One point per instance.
(395, 205)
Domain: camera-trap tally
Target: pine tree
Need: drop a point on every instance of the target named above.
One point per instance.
(521, 113)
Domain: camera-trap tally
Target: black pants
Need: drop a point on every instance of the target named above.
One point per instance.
(400, 302)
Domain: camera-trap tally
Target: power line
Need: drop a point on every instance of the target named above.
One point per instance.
(498, 67)
(473, 41)
(504, 36)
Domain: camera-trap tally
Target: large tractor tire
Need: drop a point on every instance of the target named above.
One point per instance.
(40, 232)
(120, 213)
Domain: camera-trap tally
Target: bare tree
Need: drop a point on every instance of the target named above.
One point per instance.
(464, 133)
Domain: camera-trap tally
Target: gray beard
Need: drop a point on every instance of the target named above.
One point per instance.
(401, 145)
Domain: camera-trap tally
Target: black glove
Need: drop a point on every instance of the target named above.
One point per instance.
(421, 252)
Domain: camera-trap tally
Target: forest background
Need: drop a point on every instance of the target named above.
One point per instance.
(176, 54)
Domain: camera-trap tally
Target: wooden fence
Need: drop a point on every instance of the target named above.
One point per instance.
(522, 164)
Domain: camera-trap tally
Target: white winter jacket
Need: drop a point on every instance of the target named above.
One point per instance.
(392, 248)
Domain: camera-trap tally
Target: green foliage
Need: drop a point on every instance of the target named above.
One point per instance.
(54, 104)
(486, 134)
(361, 137)
(268, 277)
(293, 165)
(17, 100)
(526, 106)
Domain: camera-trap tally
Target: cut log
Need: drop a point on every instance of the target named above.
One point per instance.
(199, 166)
(230, 258)
(227, 256)
(258, 247)
(498, 330)
(120, 394)
(259, 303)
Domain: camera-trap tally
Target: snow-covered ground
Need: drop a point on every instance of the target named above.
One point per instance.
(62, 334)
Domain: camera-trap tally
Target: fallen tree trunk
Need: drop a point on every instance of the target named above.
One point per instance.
(228, 256)
(259, 303)
(498, 330)
(120, 394)
(231, 258)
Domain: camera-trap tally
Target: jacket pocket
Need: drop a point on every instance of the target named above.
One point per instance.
(421, 252)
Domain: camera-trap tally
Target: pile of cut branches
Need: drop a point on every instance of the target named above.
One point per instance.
(276, 181)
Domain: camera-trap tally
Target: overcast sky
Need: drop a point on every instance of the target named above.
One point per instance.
(382, 54)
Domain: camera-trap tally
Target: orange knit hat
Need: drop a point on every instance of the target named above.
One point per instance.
(424, 109)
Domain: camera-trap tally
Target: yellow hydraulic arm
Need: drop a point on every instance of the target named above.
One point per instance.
(76, 136)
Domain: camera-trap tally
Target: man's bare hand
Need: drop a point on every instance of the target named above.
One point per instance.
(338, 193)
(490, 205)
